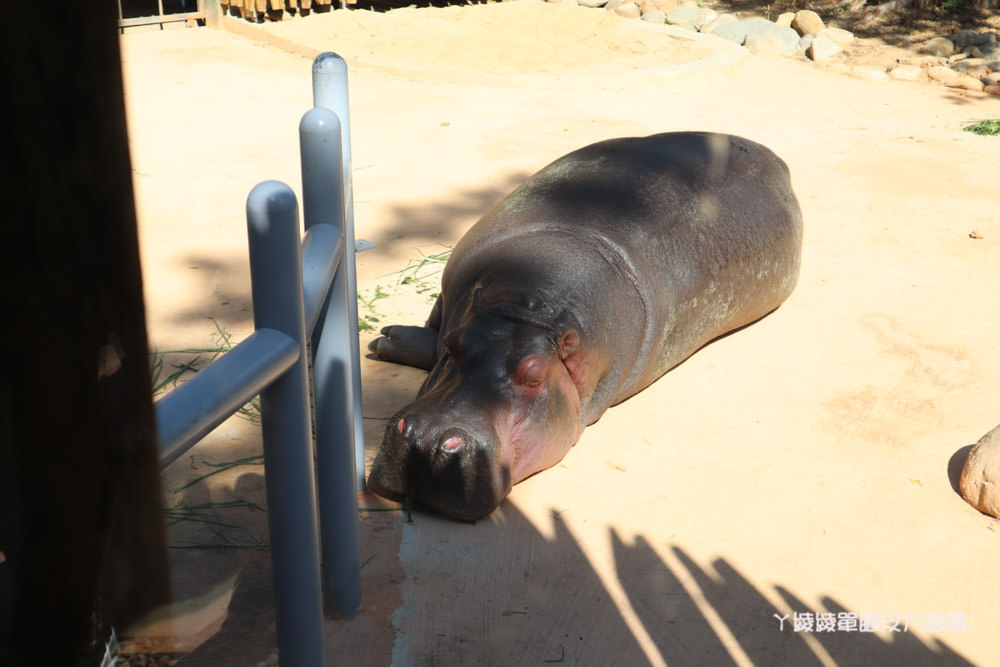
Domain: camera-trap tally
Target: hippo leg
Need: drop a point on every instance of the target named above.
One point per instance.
(410, 346)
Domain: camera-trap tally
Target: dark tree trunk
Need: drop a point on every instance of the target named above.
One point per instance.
(81, 523)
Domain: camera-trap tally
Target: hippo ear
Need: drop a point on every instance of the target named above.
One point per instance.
(568, 343)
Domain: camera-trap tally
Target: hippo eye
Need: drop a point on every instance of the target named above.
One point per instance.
(530, 372)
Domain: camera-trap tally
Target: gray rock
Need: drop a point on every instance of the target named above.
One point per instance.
(980, 480)
(628, 10)
(939, 46)
(611, 5)
(838, 36)
(719, 21)
(690, 16)
(964, 38)
(973, 67)
(807, 22)
(941, 73)
(656, 16)
(988, 50)
(737, 32)
(992, 89)
(592, 3)
(965, 82)
(992, 79)
(774, 41)
(994, 65)
(823, 49)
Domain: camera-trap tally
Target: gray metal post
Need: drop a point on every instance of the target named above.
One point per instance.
(330, 91)
(275, 267)
(333, 369)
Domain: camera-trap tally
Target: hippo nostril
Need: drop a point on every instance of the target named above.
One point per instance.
(452, 441)
(451, 444)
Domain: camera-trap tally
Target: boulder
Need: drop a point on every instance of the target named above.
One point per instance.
(939, 46)
(628, 10)
(988, 50)
(973, 67)
(719, 21)
(774, 41)
(823, 49)
(807, 22)
(964, 38)
(690, 16)
(965, 82)
(838, 36)
(980, 480)
(737, 32)
(941, 73)
(656, 16)
(785, 20)
(592, 3)
(654, 5)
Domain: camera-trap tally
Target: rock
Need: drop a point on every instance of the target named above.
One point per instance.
(992, 89)
(973, 67)
(965, 82)
(839, 68)
(654, 5)
(869, 73)
(785, 20)
(807, 22)
(823, 49)
(980, 480)
(923, 61)
(592, 3)
(805, 42)
(656, 16)
(775, 41)
(737, 32)
(991, 79)
(964, 38)
(906, 73)
(690, 16)
(719, 21)
(611, 5)
(838, 36)
(958, 57)
(939, 46)
(989, 50)
(628, 10)
(942, 73)
(994, 65)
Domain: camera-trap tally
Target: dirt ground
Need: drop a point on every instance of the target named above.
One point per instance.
(806, 465)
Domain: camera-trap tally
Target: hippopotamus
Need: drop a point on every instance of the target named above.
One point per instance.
(603, 271)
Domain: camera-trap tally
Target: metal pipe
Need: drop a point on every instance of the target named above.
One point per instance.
(329, 74)
(276, 283)
(188, 413)
(333, 368)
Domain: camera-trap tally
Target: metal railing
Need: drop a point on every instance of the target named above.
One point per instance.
(160, 17)
(301, 288)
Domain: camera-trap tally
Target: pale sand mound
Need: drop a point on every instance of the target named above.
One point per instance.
(508, 38)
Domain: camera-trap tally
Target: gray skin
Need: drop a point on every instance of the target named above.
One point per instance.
(603, 271)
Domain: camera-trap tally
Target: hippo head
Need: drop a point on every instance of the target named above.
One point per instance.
(500, 404)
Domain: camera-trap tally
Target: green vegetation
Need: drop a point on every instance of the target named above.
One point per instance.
(984, 127)
(420, 276)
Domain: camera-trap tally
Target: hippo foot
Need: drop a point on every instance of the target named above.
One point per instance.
(411, 346)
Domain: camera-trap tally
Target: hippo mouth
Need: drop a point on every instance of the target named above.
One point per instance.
(457, 474)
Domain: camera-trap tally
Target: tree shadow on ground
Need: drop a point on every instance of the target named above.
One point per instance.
(501, 591)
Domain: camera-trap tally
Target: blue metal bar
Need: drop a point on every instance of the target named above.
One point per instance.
(276, 275)
(322, 250)
(334, 397)
(329, 75)
(188, 413)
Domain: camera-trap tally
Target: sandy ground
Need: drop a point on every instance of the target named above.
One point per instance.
(805, 465)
